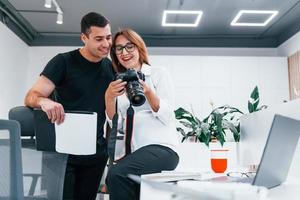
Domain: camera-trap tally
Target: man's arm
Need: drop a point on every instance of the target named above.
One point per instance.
(37, 97)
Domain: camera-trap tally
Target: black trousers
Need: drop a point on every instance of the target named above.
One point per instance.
(83, 175)
(146, 160)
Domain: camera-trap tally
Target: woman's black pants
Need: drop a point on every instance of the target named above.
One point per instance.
(146, 160)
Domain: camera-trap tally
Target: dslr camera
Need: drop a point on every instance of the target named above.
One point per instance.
(134, 89)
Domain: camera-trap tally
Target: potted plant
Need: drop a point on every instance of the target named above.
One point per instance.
(215, 126)
(221, 121)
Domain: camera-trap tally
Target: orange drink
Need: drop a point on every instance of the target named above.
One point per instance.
(218, 160)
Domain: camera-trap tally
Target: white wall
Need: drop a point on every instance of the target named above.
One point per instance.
(13, 67)
(259, 52)
(200, 79)
(225, 80)
(38, 58)
(290, 46)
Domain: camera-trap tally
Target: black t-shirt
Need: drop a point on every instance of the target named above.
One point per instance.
(81, 84)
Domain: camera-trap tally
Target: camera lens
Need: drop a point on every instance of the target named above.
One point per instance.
(138, 100)
(135, 93)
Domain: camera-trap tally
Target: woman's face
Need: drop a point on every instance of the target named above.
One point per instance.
(127, 53)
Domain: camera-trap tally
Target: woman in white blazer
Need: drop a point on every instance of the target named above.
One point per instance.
(154, 138)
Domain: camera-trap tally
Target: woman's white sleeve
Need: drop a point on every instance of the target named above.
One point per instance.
(164, 88)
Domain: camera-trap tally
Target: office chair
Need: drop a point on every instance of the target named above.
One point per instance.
(43, 172)
(24, 116)
(11, 181)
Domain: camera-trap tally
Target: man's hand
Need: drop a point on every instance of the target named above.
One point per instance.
(55, 111)
(37, 97)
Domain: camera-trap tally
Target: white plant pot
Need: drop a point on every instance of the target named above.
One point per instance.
(195, 156)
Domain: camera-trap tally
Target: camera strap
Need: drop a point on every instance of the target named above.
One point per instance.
(129, 127)
(111, 143)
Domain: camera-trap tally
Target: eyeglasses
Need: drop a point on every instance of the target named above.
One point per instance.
(241, 174)
(129, 47)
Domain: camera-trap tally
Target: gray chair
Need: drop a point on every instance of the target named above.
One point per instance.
(24, 116)
(43, 172)
(11, 182)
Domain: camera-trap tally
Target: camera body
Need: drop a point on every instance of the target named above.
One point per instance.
(134, 89)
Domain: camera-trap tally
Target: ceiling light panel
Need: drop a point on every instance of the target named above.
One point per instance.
(269, 15)
(59, 18)
(192, 16)
(48, 3)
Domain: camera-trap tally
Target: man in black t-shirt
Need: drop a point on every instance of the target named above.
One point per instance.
(80, 79)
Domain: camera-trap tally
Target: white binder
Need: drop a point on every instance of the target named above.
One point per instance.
(77, 135)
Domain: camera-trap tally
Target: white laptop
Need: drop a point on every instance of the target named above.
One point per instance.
(277, 155)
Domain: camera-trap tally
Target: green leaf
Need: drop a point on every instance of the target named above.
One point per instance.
(230, 126)
(262, 107)
(220, 138)
(254, 100)
(218, 121)
(181, 113)
(202, 137)
(250, 107)
(254, 94)
(191, 133)
(205, 120)
(181, 131)
(208, 138)
(187, 124)
(235, 110)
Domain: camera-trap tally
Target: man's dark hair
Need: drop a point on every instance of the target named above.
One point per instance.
(92, 19)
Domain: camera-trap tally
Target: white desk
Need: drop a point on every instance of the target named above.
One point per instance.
(288, 190)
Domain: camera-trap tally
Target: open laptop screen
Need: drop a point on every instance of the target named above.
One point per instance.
(278, 152)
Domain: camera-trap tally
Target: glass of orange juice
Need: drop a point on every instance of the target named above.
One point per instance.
(218, 160)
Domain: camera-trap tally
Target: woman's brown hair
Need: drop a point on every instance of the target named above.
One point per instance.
(134, 38)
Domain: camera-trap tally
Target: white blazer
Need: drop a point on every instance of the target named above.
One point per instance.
(150, 127)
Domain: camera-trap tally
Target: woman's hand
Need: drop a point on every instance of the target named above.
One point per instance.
(147, 89)
(152, 98)
(115, 88)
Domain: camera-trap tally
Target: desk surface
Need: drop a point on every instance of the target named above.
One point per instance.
(288, 190)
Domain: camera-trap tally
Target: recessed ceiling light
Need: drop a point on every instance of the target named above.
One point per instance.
(272, 14)
(48, 3)
(59, 18)
(197, 14)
